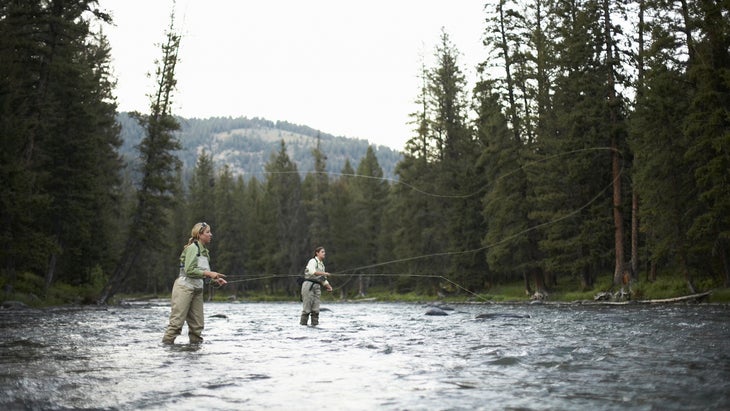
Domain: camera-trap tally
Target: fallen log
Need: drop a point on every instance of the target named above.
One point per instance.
(698, 296)
(692, 297)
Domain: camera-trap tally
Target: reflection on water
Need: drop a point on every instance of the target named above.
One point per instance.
(369, 356)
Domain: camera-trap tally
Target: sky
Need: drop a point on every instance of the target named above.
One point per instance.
(346, 68)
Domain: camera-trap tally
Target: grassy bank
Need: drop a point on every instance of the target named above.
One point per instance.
(663, 288)
(30, 291)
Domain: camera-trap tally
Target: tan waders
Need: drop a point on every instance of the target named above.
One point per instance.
(187, 305)
(311, 294)
(305, 318)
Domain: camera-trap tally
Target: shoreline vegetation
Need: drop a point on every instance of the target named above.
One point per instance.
(667, 290)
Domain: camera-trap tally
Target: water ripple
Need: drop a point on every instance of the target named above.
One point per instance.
(369, 356)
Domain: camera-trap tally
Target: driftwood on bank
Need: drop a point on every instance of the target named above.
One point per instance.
(685, 298)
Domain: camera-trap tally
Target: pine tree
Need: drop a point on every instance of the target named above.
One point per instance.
(260, 240)
(202, 188)
(160, 169)
(568, 196)
(518, 40)
(342, 250)
(59, 139)
(707, 125)
(230, 216)
(287, 217)
(509, 252)
(370, 193)
(315, 194)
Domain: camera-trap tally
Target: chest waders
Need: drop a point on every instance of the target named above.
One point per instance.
(311, 295)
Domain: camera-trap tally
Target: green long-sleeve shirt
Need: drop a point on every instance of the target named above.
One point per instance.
(189, 260)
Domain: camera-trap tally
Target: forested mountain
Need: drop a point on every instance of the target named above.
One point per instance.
(245, 145)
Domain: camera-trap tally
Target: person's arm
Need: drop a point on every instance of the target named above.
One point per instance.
(323, 276)
(311, 273)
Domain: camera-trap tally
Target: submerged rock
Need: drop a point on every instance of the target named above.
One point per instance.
(502, 315)
(436, 311)
(10, 304)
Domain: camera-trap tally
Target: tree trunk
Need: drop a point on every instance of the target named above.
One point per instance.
(51, 272)
(685, 271)
(540, 289)
(725, 266)
(361, 286)
(651, 275)
(634, 235)
(528, 289)
(615, 153)
(586, 280)
(617, 216)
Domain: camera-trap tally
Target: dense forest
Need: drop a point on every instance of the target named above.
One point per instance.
(594, 143)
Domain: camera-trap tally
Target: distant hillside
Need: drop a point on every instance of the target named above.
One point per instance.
(246, 145)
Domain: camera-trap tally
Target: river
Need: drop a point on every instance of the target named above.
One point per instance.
(369, 356)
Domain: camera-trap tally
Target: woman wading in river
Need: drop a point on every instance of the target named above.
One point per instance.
(315, 277)
(187, 293)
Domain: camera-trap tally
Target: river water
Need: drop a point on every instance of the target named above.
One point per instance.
(369, 356)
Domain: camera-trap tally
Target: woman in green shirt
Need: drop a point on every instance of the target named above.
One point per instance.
(187, 293)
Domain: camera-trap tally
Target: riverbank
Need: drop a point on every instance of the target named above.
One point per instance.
(663, 290)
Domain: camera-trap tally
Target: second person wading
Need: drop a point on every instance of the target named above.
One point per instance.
(315, 277)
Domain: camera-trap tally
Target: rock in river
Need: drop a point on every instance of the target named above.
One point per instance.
(436, 311)
(502, 315)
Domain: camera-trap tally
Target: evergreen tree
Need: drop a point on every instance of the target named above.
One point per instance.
(167, 270)
(459, 182)
(82, 164)
(370, 192)
(160, 168)
(707, 124)
(202, 191)
(569, 184)
(260, 240)
(342, 250)
(229, 238)
(433, 174)
(413, 206)
(59, 139)
(518, 49)
(287, 217)
(666, 189)
(509, 251)
(315, 194)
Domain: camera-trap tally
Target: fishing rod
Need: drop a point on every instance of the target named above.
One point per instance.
(441, 277)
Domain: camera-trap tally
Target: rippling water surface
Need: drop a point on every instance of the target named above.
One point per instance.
(369, 356)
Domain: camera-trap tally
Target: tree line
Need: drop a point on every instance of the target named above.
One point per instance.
(595, 141)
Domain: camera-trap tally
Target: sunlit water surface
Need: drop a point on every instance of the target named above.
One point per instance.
(369, 356)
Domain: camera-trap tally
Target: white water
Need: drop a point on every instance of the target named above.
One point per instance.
(369, 356)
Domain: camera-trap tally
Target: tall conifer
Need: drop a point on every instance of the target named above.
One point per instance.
(160, 170)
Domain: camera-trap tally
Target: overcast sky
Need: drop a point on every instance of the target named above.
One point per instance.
(347, 68)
